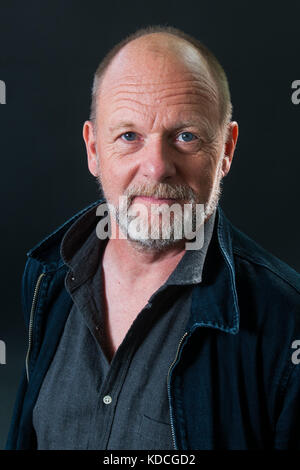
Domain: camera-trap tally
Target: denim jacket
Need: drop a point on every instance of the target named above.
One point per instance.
(235, 380)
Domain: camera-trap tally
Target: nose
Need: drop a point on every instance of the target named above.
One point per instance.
(157, 162)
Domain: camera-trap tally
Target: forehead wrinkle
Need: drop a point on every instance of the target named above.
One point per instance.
(192, 103)
(159, 98)
(155, 111)
(123, 107)
(172, 100)
(197, 120)
(139, 82)
(196, 90)
(135, 111)
(142, 87)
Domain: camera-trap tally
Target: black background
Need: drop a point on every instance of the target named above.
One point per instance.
(49, 52)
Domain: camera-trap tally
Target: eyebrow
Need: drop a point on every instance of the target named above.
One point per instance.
(179, 125)
(121, 125)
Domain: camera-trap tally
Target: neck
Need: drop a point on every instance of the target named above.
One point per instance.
(128, 260)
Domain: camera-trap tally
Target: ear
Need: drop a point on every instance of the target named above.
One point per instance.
(230, 144)
(90, 144)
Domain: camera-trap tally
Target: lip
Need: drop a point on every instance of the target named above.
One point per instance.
(154, 200)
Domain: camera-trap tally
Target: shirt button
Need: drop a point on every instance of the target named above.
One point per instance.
(107, 399)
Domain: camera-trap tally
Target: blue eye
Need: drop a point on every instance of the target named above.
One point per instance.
(186, 137)
(129, 136)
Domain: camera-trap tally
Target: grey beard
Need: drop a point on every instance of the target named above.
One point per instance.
(160, 244)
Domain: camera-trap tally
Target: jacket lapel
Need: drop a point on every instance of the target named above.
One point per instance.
(214, 301)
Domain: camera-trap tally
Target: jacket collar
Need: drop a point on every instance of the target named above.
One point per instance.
(214, 300)
(47, 252)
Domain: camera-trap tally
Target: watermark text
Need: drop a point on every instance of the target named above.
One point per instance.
(296, 354)
(147, 223)
(2, 92)
(2, 352)
(296, 94)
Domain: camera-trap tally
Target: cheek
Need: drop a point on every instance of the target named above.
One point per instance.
(200, 175)
(107, 164)
(115, 175)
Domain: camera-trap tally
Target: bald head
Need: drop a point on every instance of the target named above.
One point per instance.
(155, 64)
(156, 52)
(166, 47)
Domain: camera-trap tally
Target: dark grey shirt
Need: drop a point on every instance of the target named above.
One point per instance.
(85, 402)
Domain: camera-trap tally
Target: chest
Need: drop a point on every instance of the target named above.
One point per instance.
(121, 307)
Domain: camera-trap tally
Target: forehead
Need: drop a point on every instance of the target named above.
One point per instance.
(157, 93)
(186, 105)
(154, 58)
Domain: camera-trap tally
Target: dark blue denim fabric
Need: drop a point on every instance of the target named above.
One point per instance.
(233, 384)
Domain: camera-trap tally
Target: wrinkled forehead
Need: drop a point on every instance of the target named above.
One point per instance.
(158, 62)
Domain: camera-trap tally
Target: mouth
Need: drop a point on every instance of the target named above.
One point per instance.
(153, 200)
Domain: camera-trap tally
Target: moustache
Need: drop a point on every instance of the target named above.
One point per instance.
(161, 190)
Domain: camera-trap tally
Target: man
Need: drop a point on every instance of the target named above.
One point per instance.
(135, 341)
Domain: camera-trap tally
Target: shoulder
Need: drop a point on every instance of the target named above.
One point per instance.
(47, 251)
(45, 256)
(268, 289)
(262, 266)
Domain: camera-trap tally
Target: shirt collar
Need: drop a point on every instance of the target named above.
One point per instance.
(189, 269)
(83, 253)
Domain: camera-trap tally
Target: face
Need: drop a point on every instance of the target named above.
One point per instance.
(157, 137)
